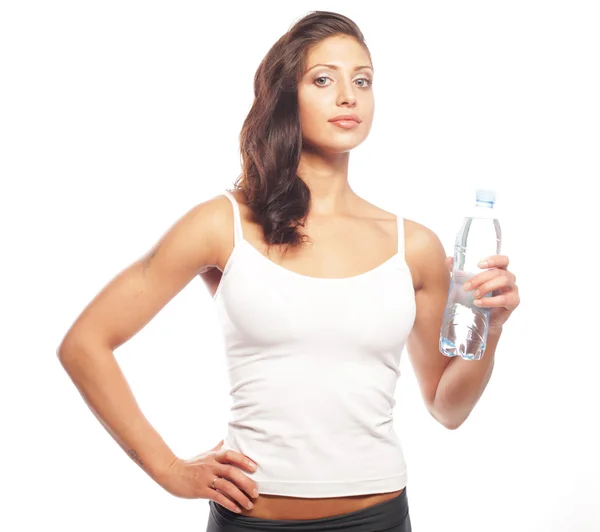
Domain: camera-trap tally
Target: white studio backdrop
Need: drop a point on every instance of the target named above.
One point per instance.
(118, 117)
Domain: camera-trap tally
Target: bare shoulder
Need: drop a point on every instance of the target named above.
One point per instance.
(215, 217)
(424, 252)
(202, 230)
(224, 230)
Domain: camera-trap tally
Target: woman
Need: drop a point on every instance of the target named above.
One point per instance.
(318, 291)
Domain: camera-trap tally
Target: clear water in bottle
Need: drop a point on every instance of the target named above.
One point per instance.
(465, 325)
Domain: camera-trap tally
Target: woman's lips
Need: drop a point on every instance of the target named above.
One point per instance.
(345, 124)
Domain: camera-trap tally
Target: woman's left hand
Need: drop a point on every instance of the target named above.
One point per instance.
(498, 280)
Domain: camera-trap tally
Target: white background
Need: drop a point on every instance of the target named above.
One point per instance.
(119, 116)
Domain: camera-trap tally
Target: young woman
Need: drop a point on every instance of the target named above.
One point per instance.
(318, 292)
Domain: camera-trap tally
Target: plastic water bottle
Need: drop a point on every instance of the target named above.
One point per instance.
(465, 325)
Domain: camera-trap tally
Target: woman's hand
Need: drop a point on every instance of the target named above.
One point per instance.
(192, 479)
(498, 280)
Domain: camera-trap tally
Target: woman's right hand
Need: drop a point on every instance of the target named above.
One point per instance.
(192, 479)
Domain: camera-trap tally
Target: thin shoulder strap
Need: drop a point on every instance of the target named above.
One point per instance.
(237, 222)
(400, 221)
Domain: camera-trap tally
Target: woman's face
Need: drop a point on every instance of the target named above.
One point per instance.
(325, 92)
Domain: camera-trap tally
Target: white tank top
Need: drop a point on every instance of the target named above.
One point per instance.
(313, 364)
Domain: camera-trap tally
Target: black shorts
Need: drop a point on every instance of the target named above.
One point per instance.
(391, 515)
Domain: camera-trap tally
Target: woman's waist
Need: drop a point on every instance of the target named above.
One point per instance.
(269, 506)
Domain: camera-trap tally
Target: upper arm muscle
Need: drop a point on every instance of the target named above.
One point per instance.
(423, 342)
(136, 294)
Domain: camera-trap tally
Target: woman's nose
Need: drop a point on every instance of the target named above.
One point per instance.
(346, 95)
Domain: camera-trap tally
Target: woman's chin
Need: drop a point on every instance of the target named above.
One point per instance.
(333, 146)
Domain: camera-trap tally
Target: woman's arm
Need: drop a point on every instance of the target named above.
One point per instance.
(464, 382)
(100, 381)
(451, 387)
(427, 257)
(122, 309)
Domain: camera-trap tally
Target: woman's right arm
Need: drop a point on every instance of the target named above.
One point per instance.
(121, 309)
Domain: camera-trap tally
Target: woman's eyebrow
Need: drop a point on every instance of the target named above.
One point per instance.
(335, 67)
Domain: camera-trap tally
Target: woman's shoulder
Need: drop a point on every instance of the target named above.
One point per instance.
(424, 251)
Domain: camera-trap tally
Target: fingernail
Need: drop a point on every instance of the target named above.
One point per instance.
(252, 466)
(483, 264)
(255, 493)
(467, 286)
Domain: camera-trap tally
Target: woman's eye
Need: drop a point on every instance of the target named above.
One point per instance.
(366, 82)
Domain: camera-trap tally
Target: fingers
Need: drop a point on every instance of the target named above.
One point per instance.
(500, 262)
(495, 261)
(489, 286)
(232, 479)
(484, 279)
(234, 483)
(230, 456)
(509, 300)
(224, 500)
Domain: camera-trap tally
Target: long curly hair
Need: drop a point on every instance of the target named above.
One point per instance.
(271, 138)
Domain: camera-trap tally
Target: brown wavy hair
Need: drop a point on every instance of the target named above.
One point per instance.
(271, 138)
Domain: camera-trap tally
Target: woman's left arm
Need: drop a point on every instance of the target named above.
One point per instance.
(451, 386)
(464, 381)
